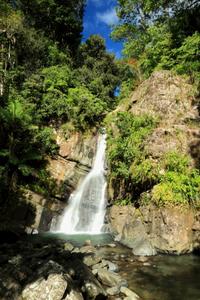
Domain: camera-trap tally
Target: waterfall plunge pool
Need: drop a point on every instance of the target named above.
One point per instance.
(76, 239)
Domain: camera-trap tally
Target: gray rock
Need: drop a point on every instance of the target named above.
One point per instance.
(111, 266)
(68, 247)
(52, 288)
(110, 278)
(143, 247)
(73, 295)
(130, 294)
(91, 260)
(113, 291)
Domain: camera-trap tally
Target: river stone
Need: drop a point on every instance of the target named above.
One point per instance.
(91, 260)
(130, 294)
(94, 290)
(111, 279)
(87, 243)
(111, 266)
(87, 249)
(113, 291)
(52, 289)
(73, 295)
(68, 247)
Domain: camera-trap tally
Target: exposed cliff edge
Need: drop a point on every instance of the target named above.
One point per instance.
(161, 226)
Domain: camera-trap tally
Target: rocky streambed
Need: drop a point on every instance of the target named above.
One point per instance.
(55, 269)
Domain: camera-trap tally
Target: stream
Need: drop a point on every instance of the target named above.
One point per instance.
(161, 277)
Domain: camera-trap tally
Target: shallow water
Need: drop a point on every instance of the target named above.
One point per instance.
(162, 277)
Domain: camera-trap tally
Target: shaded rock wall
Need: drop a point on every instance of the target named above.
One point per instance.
(68, 169)
(73, 162)
(150, 229)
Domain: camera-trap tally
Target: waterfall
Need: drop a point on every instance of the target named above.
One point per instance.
(86, 210)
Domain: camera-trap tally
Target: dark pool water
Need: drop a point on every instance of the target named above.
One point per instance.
(166, 278)
(162, 277)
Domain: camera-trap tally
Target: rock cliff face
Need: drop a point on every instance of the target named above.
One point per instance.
(149, 230)
(73, 162)
(68, 169)
(171, 100)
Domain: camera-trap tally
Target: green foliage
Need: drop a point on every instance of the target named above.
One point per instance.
(145, 172)
(178, 189)
(23, 146)
(126, 141)
(160, 34)
(98, 70)
(171, 179)
(85, 108)
(125, 148)
(123, 202)
(177, 183)
(60, 21)
(188, 56)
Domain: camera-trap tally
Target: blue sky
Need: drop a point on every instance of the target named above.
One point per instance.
(100, 15)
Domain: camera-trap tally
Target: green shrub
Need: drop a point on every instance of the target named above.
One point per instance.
(123, 202)
(179, 183)
(126, 136)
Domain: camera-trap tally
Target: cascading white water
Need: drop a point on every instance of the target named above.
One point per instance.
(86, 210)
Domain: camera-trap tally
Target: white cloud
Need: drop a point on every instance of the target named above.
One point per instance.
(108, 17)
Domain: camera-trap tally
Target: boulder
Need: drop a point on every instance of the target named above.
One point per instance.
(111, 279)
(151, 229)
(91, 260)
(68, 247)
(143, 247)
(52, 288)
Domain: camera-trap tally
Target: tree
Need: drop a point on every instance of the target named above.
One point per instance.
(98, 70)
(61, 21)
(152, 30)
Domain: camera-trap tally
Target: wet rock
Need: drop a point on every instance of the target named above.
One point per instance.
(91, 260)
(111, 266)
(87, 249)
(52, 288)
(130, 294)
(87, 243)
(68, 247)
(110, 278)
